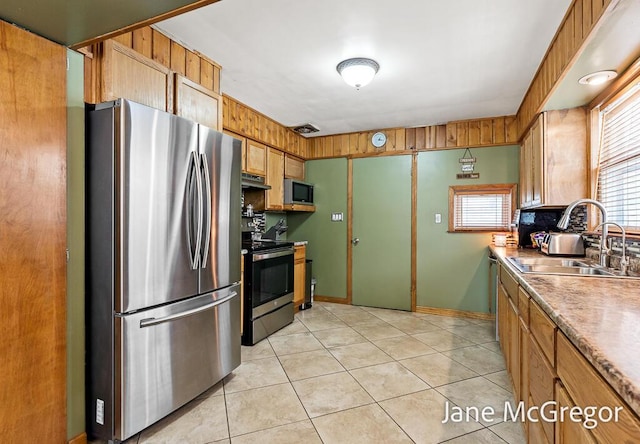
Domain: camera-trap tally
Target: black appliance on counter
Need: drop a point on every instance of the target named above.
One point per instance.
(268, 286)
(537, 219)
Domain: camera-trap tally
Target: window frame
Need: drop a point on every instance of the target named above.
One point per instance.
(502, 188)
(610, 95)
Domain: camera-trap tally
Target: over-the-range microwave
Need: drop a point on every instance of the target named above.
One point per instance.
(298, 192)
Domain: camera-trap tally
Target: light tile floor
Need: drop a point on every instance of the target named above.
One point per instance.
(346, 374)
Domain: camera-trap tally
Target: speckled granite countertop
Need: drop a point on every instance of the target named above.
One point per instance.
(599, 315)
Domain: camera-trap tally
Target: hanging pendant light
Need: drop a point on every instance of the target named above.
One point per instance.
(358, 72)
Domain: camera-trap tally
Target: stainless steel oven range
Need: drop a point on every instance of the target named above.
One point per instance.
(268, 288)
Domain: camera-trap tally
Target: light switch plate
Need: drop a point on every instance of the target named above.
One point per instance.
(438, 218)
(336, 217)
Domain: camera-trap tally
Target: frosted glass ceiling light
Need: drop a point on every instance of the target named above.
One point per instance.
(598, 78)
(358, 72)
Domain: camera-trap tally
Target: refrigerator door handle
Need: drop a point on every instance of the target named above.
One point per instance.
(191, 175)
(198, 207)
(204, 164)
(149, 322)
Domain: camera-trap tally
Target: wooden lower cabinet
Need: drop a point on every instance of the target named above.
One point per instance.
(299, 275)
(568, 431)
(587, 388)
(550, 373)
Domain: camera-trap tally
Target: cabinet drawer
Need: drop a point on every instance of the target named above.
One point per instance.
(543, 329)
(299, 253)
(523, 305)
(587, 388)
(567, 431)
(510, 284)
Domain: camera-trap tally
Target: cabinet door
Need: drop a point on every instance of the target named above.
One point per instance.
(293, 167)
(541, 384)
(537, 159)
(275, 178)
(514, 348)
(244, 148)
(128, 74)
(526, 173)
(256, 158)
(567, 431)
(197, 103)
(524, 365)
(503, 326)
(299, 275)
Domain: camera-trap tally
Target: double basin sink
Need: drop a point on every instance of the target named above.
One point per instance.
(560, 265)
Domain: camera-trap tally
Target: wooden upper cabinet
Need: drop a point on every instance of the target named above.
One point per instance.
(275, 178)
(197, 103)
(293, 167)
(553, 167)
(130, 75)
(256, 159)
(244, 147)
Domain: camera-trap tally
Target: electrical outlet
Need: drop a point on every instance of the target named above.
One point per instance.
(438, 218)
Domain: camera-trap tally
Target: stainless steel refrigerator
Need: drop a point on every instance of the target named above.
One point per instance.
(163, 264)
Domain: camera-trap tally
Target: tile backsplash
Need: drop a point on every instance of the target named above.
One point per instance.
(592, 243)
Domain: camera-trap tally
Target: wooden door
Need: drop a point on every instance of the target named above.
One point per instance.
(32, 238)
(275, 178)
(381, 220)
(256, 162)
(197, 103)
(537, 160)
(293, 167)
(128, 74)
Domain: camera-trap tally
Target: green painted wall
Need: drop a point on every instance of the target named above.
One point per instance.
(327, 240)
(75, 244)
(452, 269)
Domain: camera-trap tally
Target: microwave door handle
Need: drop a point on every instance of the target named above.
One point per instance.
(206, 209)
(191, 175)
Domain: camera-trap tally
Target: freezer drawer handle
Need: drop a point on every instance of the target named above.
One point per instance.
(149, 322)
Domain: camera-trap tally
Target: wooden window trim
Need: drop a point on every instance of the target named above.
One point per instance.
(504, 188)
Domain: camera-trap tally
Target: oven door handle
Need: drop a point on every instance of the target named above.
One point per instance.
(272, 254)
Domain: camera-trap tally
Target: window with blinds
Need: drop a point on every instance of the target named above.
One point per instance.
(619, 160)
(481, 207)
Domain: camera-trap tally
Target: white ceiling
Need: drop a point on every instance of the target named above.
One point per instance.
(439, 60)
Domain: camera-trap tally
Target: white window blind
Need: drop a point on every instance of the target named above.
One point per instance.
(619, 164)
(481, 210)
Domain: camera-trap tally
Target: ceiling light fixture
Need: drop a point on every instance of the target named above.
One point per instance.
(598, 78)
(358, 72)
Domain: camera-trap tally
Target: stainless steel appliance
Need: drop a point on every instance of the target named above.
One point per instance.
(563, 244)
(268, 288)
(163, 264)
(298, 192)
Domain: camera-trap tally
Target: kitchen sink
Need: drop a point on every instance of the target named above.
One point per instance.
(550, 261)
(559, 265)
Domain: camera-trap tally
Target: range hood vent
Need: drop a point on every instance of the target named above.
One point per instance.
(306, 128)
(256, 182)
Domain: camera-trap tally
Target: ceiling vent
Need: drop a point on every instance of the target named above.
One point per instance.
(306, 128)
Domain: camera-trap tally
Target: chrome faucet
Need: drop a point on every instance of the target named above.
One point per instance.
(564, 222)
(605, 250)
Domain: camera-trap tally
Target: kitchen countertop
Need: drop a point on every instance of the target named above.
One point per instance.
(299, 243)
(599, 315)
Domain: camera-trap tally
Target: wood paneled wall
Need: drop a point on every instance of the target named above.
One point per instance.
(245, 121)
(156, 46)
(461, 134)
(580, 20)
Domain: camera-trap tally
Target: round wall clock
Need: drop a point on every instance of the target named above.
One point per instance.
(379, 139)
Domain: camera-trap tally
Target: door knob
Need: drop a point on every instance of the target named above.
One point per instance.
(355, 241)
